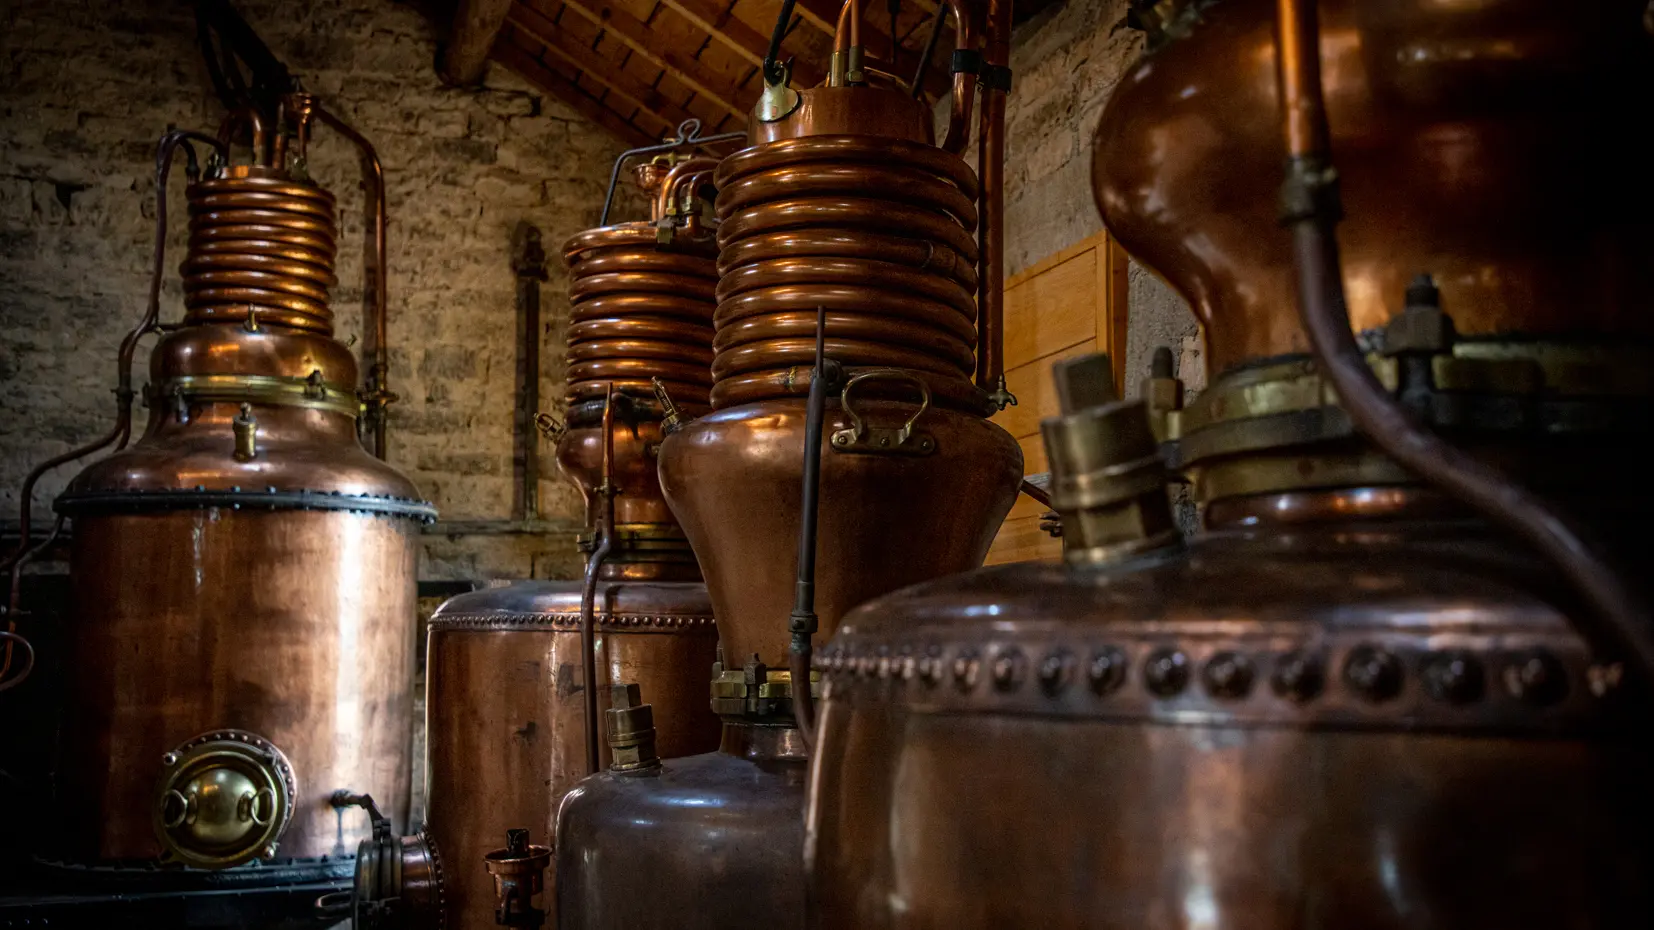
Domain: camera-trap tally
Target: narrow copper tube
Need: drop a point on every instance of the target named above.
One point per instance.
(374, 174)
(667, 197)
(991, 225)
(964, 82)
(1617, 617)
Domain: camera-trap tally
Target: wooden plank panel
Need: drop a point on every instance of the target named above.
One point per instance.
(1021, 540)
(1113, 296)
(566, 41)
(1033, 462)
(514, 56)
(712, 16)
(1035, 393)
(637, 35)
(1051, 311)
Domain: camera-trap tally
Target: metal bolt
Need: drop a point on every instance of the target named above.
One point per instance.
(1537, 678)
(1298, 676)
(1107, 670)
(884, 666)
(908, 666)
(966, 668)
(1374, 673)
(1228, 675)
(1008, 669)
(1166, 672)
(930, 668)
(169, 759)
(1055, 670)
(1605, 679)
(1455, 677)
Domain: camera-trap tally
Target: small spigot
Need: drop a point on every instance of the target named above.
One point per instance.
(519, 872)
(1001, 397)
(673, 420)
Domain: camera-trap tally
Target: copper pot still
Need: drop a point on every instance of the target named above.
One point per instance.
(1337, 704)
(508, 691)
(244, 573)
(844, 230)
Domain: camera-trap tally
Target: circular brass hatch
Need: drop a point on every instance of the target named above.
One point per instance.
(224, 798)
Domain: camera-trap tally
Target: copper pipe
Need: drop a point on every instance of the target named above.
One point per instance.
(1618, 618)
(990, 361)
(964, 82)
(875, 233)
(122, 430)
(847, 33)
(260, 242)
(12, 636)
(254, 120)
(588, 595)
(666, 199)
(379, 374)
(14, 604)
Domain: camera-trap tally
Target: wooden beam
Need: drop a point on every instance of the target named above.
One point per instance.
(538, 73)
(744, 40)
(635, 34)
(602, 70)
(476, 25)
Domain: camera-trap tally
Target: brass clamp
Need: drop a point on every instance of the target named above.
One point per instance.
(754, 692)
(224, 798)
(550, 427)
(270, 390)
(903, 440)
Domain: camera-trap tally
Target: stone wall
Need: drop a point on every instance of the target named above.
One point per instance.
(1066, 62)
(86, 88)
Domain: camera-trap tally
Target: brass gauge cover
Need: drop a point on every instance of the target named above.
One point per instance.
(224, 798)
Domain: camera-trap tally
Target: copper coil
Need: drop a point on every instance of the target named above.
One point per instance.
(641, 310)
(877, 234)
(260, 243)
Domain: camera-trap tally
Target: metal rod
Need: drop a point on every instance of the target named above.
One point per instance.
(588, 594)
(373, 172)
(925, 56)
(1617, 618)
(528, 264)
(803, 621)
(688, 136)
(990, 308)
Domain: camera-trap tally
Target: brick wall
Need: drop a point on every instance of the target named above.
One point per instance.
(1067, 61)
(87, 86)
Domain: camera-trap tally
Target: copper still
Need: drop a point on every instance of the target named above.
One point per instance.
(243, 574)
(508, 691)
(1386, 685)
(850, 262)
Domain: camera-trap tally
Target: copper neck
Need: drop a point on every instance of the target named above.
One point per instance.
(763, 742)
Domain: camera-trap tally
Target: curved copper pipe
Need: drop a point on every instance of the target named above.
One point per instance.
(250, 116)
(666, 198)
(1618, 617)
(964, 82)
(588, 594)
(834, 243)
(379, 375)
(838, 150)
(847, 33)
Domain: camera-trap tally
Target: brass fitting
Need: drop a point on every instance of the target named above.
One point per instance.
(1107, 478)
(631, 726)
(223, 798)
(519, 871)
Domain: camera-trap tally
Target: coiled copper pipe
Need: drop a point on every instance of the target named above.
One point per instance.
(260, 243)
(877, 232)
(641, 310)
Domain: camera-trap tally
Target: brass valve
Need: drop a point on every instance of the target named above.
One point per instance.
(631, 726)
(519, 872)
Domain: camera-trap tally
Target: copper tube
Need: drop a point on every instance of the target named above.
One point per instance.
(11, 636)
(605, 541)
(873, 231)
(666, 199)
(379, 372)
(263, 242)
(847, 34)
(803, 622)
(990, 356)
(1618, 617)
(254, 120)
(964, 82)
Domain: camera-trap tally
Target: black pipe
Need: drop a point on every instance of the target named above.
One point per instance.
(803, 622)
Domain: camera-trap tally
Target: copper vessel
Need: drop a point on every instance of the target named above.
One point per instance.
(244, 573)
(1337, 704)
(508, 694)
(1471, 141)
(849, 254)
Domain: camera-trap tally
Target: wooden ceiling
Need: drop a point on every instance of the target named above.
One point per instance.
(641, 67)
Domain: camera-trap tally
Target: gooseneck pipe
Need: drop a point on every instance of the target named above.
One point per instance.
(588, 594)
(1616, 617)
(379, 393)
(990, 353)
(803, 621)
(689, 136)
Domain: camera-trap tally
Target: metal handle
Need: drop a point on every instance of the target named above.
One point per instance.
(176, 800)
(860, 438)
(333, 906)
(251, 803)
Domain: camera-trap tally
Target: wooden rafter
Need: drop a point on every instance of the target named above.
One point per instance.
(604, 71)
(515, 57)
(744, 40)
(637, 35)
